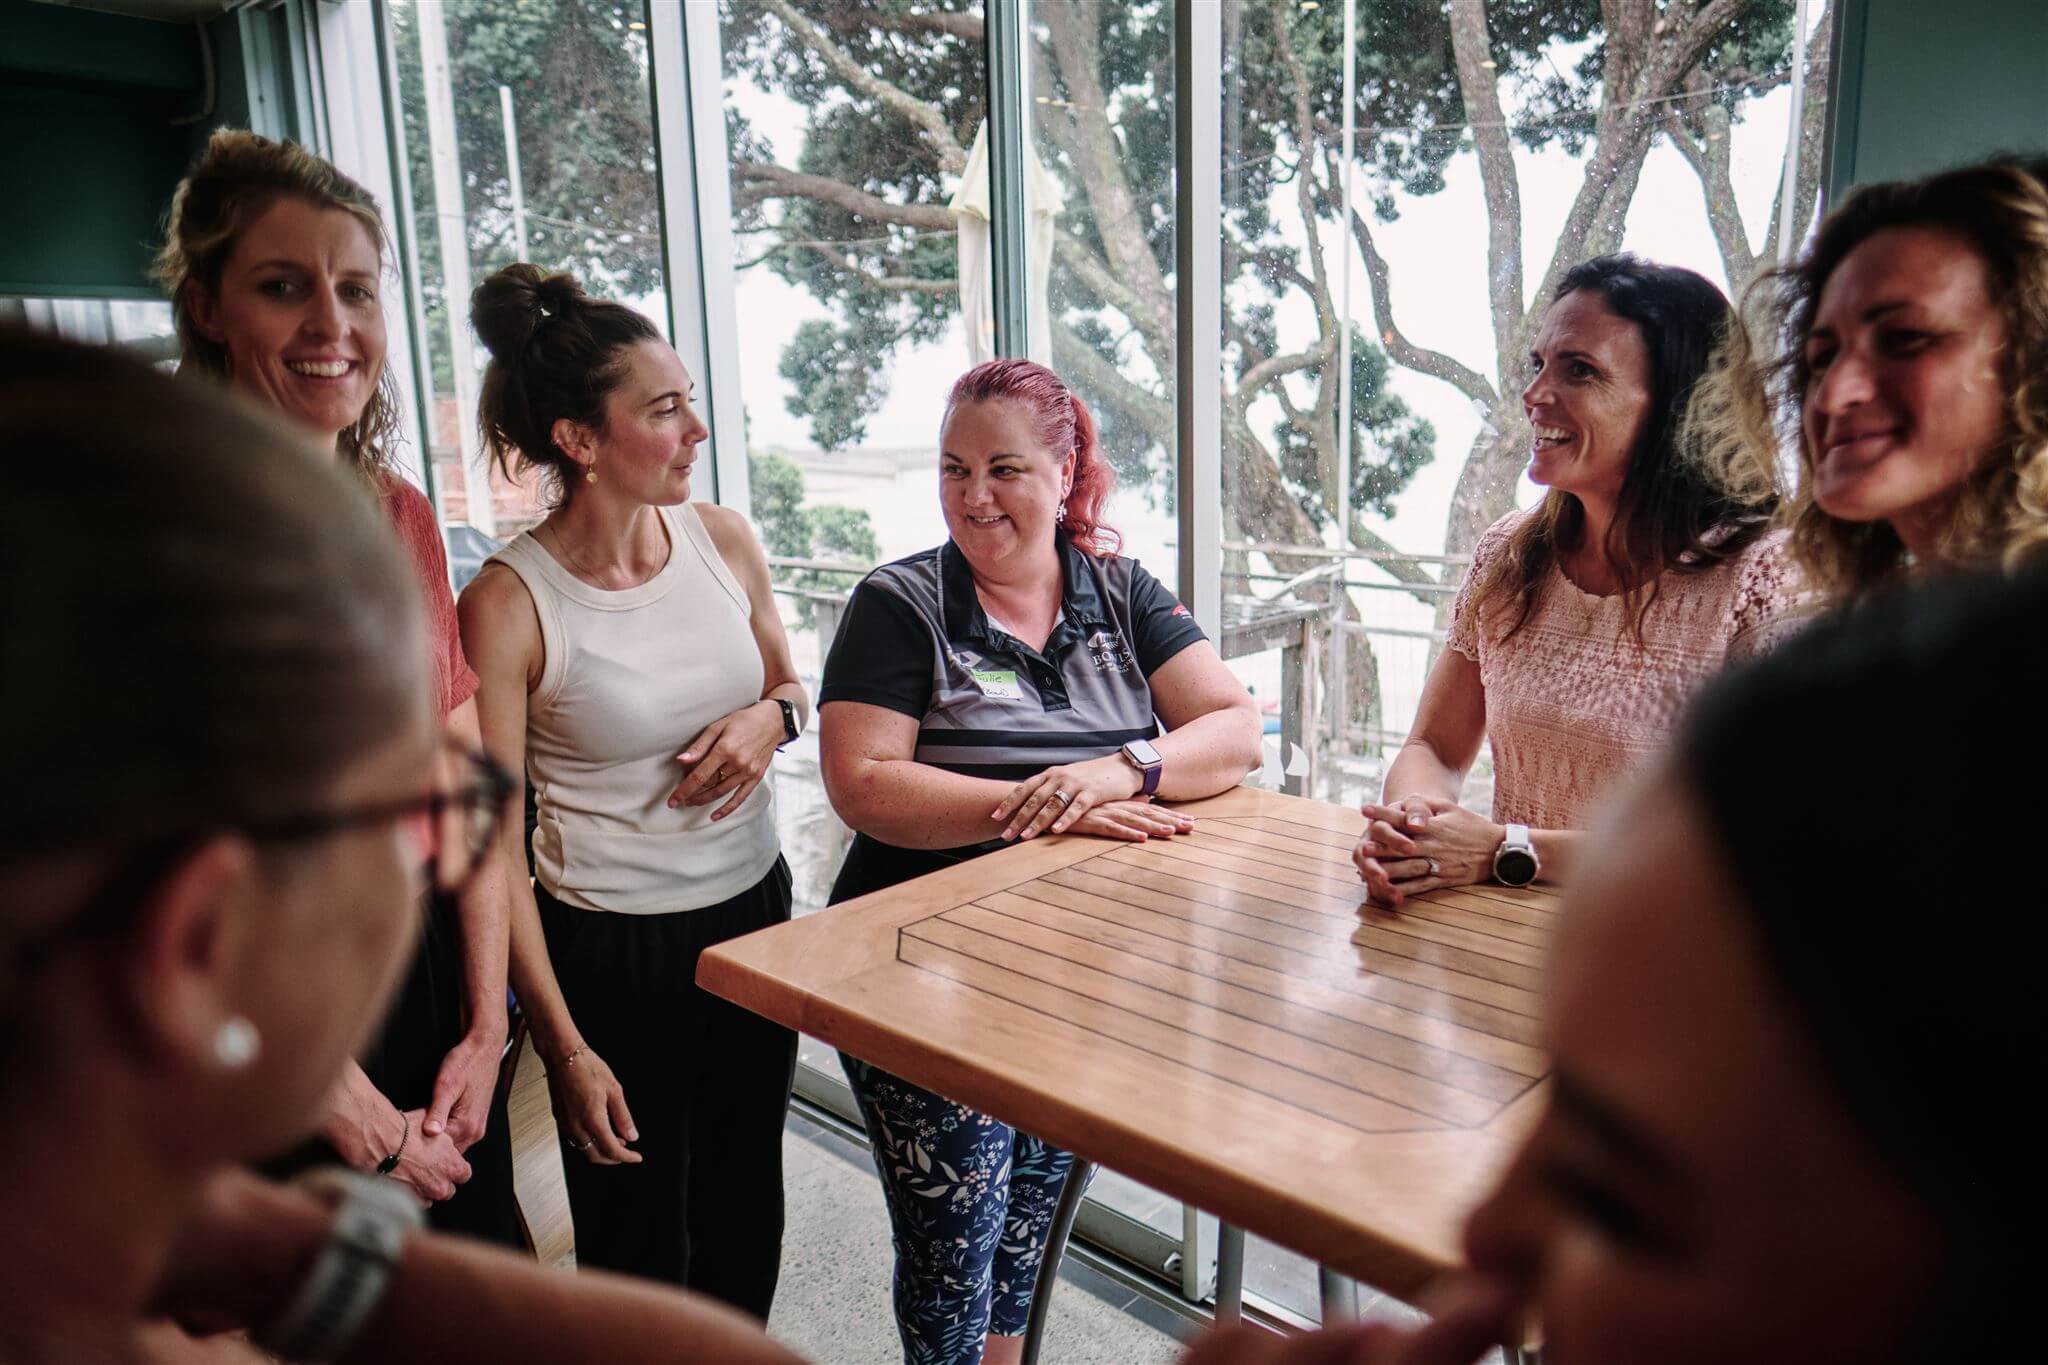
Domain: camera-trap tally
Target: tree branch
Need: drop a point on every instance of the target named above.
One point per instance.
(768, 181)
(1472, 47)
(1435, 364)
(1090, 142)
(952, 156)
(891, 284)
(1709, 158)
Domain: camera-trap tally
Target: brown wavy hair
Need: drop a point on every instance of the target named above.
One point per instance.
(1750, 408)
(1672, 517)
(230, 185)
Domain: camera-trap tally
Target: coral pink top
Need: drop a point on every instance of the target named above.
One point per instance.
(412, 516)
(1573, 703)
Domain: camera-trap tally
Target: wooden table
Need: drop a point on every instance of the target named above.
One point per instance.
(1217, 1015)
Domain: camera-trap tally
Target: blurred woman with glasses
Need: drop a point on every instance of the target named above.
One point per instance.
(231, 790)
(275, 265)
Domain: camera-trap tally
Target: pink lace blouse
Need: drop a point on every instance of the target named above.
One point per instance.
(1573, 702)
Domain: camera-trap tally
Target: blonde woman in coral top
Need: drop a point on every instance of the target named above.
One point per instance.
(1586, 622)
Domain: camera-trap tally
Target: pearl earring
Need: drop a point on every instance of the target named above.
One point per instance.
(236, 1044)
(590, 473)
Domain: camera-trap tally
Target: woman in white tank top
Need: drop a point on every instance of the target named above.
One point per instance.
(634, 666)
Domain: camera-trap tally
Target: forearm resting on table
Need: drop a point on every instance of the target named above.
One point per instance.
(1209, 754)
(915, 805)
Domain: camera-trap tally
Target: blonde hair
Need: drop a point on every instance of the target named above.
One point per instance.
(1749, 409)
(232, 183)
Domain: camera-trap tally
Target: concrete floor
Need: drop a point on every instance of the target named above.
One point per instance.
(833, 1302)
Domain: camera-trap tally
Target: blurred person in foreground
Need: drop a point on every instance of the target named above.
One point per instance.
(1786, 1119)
(1910, 378)
(227, 767)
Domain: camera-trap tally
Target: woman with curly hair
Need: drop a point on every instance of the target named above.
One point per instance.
(1911, 376)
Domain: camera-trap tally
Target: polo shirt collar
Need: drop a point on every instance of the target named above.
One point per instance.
(1081, 603)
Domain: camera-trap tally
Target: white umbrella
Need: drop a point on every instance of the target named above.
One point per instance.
(1043, 202)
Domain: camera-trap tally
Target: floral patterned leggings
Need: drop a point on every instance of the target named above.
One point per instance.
(971, 1203)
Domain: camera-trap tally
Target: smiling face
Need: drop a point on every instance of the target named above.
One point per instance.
(651, 433)
(999, 486)
(1588, 399)
(300, 312)
(1693, 1192)
(1905, 396)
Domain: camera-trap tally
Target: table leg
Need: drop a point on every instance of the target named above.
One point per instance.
(1340, 1297)
(1063, 1215)
(1229, 1275)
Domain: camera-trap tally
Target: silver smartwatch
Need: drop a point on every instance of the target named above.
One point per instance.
(372, 1218)
(1515, 862)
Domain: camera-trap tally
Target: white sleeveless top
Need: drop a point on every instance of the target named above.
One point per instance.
(630, 678)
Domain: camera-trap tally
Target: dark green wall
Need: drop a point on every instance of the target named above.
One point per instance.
(1924, 84)
(91, 148)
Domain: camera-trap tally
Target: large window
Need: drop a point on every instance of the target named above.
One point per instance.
(529, 135)
(1377, 307)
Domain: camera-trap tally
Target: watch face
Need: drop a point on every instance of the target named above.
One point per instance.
(1142, 753)
(1515, 866)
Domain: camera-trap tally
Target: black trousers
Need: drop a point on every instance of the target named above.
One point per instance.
(708, 1085)
(402, 1061)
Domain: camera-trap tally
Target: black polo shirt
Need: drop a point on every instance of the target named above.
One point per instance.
(915, 640)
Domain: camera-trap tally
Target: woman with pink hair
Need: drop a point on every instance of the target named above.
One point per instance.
(1020, 679)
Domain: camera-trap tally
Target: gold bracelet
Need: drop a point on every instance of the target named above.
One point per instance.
(576, 1052)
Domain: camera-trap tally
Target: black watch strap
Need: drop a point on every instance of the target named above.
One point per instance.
(790, 729)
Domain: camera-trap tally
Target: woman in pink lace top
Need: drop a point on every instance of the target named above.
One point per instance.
(1585, 623)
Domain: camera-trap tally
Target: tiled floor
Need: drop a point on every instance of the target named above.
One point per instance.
(833, 1302)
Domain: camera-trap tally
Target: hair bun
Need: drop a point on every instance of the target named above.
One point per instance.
(510, 306)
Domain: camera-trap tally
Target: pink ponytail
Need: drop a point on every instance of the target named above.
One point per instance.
(1064, 424)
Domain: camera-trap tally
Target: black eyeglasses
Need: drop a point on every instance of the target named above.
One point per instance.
(449, 831)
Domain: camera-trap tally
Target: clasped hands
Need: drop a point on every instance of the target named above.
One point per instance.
(1414, 844)
(1098, 797)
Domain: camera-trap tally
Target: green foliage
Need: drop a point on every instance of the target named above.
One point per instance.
(585, 126)
(1389, 443)
(794, 531)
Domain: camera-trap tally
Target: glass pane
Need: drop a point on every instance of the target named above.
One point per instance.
(1491, 151)
(1099, 222)
(143, 326)
(1497, 143)
(529, 135)
(852, 133)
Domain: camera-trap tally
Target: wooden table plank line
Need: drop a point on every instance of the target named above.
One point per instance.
(1320, 974)
(1310, 923)
(1295, 830)
(1204, 852)
(1416, 997)
(1449, 957)
(1186, 888)
(1486, 926)
(1433, 929)
(1272, 847)
(1422, 1122)
(1429, 1061)
(1251, 884)
(1431, 1100)
(1422, 970)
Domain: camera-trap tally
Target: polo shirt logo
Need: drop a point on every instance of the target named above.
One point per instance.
(1109, 653)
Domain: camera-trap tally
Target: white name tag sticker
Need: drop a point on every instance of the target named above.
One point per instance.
(998, 683)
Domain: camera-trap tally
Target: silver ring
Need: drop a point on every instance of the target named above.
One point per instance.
(1062, 798)
(1434, 870)
(586, 1144)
